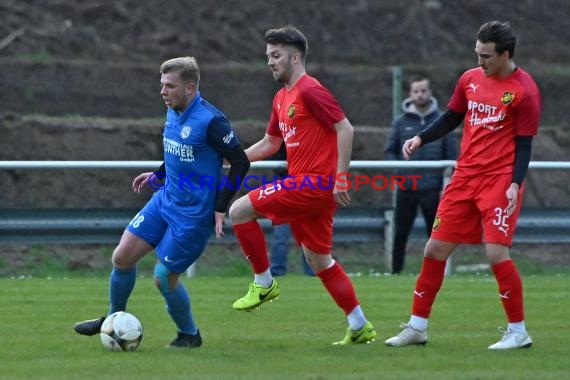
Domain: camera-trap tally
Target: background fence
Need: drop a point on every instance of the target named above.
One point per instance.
(362, 234)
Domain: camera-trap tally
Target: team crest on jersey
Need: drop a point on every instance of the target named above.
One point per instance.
(291, 111)
(185, 132)
(507, 97)
(436, 223)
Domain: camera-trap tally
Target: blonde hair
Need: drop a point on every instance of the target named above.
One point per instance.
(187, 67)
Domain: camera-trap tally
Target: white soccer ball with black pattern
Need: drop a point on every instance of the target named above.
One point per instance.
(121, 331)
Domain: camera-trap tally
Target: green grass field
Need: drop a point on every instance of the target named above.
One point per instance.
(287, 339)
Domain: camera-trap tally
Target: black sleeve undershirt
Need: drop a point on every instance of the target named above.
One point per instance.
(523, 150)
(223, 138)
(442, 126)
(161, 172)
(451, 119)
(238, 169)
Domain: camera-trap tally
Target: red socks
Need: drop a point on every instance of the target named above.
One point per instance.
(510, 290)
(428, 284)
(252, 241)
(335, 280)
(339, 286)
(508, 278)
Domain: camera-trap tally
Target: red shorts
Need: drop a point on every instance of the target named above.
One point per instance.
(305, 203)
(472, 210)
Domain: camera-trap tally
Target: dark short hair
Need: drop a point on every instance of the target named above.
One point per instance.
(501, 33)
(418, 78)
(288, 35)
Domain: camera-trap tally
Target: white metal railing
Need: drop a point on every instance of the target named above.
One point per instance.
(359, 164)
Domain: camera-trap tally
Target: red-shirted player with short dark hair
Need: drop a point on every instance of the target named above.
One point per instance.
(500, 106)
(318, 138)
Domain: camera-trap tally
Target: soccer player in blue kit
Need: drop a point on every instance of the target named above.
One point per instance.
(179, 219)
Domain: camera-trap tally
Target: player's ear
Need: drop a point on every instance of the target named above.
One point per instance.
(296, 56)
(505, 55)
(190, 88)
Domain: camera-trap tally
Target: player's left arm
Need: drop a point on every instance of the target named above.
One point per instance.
(223, 138)
(345, 133)
(527, 117)
(523, 150)
(450, 147)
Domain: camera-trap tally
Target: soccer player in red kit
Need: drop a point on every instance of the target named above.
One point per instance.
(500, 106)
(318, 139)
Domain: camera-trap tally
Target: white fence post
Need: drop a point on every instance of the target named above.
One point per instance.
(446, 179)
(191, 271)
(388, 239)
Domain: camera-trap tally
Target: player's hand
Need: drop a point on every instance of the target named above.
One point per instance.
(512, 196)
(341, 197)
(141, 181)
(410, 146)
(219, 218)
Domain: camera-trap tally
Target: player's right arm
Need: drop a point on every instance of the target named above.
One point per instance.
(439, 128)
(410, 146)
(142, 179)
(447, 122)
(266, 147)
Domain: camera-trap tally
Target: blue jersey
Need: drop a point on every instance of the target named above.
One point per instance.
(179, 219)
(195, 141)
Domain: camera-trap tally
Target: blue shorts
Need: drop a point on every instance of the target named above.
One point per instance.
(177, 238)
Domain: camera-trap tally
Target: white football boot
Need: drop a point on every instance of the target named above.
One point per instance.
(512, 339)
(408, 337)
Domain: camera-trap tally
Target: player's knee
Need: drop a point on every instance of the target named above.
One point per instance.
(318, 262)
(119, 260)
(497, 252)
(431, 251)
(438, 250)
(241, 211)
(236, 212)
(161, 273)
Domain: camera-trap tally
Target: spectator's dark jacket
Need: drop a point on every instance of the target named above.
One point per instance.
(407, 126)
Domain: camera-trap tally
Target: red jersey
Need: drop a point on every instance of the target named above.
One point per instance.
(497, 110)
(304, 117)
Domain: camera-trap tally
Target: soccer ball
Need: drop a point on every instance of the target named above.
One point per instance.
(121, 331)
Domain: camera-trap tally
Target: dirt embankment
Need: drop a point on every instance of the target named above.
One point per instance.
(101, 58)
(41, 138)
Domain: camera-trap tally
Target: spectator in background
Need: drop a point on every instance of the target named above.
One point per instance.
(282, 233)
(420, 109)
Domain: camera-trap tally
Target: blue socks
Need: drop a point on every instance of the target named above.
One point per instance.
(121, 285)
(178, 303)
